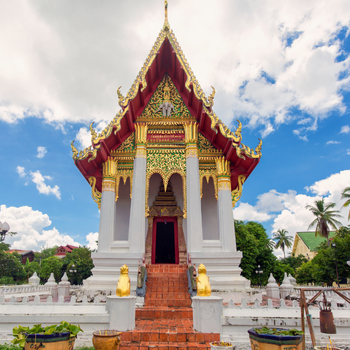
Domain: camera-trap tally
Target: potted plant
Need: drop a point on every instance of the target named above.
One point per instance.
(222, 345)
(265, 338)
(54, 337)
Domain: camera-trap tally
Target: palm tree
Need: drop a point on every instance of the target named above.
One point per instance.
(325, 217)
(282, 240)
(346, 195)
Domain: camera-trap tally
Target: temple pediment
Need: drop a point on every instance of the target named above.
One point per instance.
(166, 93)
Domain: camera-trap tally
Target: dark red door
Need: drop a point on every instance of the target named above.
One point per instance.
(165, 247)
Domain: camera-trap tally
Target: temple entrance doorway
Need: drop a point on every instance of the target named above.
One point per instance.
(165, 246)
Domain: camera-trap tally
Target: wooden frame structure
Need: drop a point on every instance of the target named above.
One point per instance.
(304, 306)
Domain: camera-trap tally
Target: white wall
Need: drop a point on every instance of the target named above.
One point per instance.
(154, 185)
(176, 184)
(123, 211)
(209, 212)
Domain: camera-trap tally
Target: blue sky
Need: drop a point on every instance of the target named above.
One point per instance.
(282, 68)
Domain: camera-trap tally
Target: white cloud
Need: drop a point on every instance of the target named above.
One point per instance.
(39, 180)
(41, 152)
(83, 137)
(288, 209)
(29, 225)
(348, 151)
(247, 212)
(304, 121)
(258, 71)
(345, 129)
(21, 171)
(331, 142)
(92, 237)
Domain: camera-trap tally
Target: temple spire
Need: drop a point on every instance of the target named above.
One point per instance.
(166, 25)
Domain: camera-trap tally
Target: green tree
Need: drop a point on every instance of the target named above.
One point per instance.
(282, 240)
(81, 258)
(343, 231)
(4, 246)
(45, 253)
(49, 265)
(252, 240)
(31, 267)
(279, 269)
(346, 195)
(11, 267)
(294, 262)
(325, 217)
(308, 272)
(322, 268)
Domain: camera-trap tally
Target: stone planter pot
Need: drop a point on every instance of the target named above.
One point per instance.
(57, 341)
(274, 342)
(106, 339)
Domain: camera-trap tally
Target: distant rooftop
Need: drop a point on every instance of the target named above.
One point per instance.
(311, 241)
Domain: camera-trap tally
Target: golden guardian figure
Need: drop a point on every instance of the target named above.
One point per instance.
(123, 286)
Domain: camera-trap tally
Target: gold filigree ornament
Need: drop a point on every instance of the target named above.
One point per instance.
(74, 150)
(166, 163)
(121, 98)
(165, 104)
(93, 132)
(236, 194)
(96, 195)
(207, 174)
(211, 97)
(127, 146)
(123, 174)
(251, 153)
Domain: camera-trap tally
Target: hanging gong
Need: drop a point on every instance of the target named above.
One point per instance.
(327, 322)
(326, 317)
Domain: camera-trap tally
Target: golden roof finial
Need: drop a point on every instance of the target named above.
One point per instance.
(166, 25)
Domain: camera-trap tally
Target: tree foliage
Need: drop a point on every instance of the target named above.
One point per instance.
(325, 218)
(11, 267)
(81, 258)
(322, 268)
(346, 195)
(252, 240)
(282, 240)
(49, 265)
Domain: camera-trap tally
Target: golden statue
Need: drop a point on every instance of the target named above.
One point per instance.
(203, 285)
(123, 286)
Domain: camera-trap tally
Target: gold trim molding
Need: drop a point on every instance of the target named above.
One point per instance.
(223, 166)
(224, 184)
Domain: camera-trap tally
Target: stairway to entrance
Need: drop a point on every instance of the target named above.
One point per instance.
(166, 320)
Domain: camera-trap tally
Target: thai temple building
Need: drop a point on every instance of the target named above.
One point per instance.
(165, 174)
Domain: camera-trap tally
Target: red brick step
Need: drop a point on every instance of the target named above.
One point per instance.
(166, 320)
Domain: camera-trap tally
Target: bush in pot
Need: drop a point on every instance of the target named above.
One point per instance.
(265, 338)
(61, 336)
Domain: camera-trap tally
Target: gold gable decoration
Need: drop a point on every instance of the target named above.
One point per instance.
(95, 194)
(127, 146)
(166, 90)
(236, 194)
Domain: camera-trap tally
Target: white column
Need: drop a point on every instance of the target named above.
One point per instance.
(194, 212)
(108, 206)
(225, 214)
(137, 224)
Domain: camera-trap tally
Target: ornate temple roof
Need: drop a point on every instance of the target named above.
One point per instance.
(166, 57)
